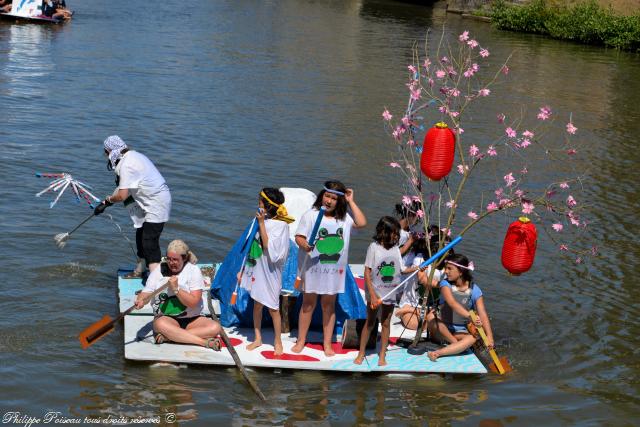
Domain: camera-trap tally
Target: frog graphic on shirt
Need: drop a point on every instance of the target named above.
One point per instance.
(329, 246)
(386, 271)
(255, 252)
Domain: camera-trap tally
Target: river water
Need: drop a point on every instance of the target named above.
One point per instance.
(229, 96)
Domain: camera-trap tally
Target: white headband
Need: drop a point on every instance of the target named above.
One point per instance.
(469, 267)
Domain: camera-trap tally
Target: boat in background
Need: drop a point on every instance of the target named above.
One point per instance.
(29, 11)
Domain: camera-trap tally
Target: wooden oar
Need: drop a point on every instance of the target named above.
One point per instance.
(102, 327)
(500, 365)
(233, 353)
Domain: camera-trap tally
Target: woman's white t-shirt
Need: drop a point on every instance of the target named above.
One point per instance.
(189, 279)
(146, 185)
(325, 266)
(263, 268)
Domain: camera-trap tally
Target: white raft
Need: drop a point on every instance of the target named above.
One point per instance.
(139, 345)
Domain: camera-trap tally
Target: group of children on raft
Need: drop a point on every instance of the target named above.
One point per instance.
(395, 252)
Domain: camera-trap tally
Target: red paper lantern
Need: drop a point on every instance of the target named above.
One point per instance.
(437, 152)
(519, 248)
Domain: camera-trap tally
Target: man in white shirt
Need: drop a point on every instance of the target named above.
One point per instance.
(145, 194)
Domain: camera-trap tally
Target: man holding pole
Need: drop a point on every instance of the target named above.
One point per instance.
(146, 195)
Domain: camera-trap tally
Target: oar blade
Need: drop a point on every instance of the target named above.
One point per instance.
(504, 363)
(95, 331)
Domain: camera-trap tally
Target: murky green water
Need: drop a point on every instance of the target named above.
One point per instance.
(228, 96)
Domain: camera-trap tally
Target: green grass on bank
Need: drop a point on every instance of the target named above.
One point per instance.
(585, 22)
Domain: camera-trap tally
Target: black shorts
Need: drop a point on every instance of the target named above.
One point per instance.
(184, 321)
(148, 241)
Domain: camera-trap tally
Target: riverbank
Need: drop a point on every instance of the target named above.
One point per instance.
(584, 22)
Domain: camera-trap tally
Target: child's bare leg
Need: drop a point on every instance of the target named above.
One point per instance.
(366, 333)
(308, 305)
(328, 303)
(386, 330)
(459, 346)
(410, 319)
(257, 325)
(438, 329)
(277, 331)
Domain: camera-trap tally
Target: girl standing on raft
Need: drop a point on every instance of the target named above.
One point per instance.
(458, 295)
(382, 268)
(325, 270)
(263, 268)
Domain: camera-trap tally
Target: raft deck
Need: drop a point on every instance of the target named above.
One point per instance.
(139, 345)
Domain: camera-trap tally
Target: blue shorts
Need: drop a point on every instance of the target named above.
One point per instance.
(457, 328)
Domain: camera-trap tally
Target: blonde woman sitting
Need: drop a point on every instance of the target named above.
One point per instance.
(178, 311)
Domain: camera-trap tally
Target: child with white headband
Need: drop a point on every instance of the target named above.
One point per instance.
(264, 264)
(458, 295)
(325, 269)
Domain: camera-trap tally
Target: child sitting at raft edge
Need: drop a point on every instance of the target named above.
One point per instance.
(459, 294)
(263, 268)
(325, 263)
(382, 268)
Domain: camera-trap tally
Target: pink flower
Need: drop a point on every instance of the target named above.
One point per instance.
(510, 132)
(474, 150)
(492, 207)
(564, 248)
(491, 151)
(579, 260)
(455, 92)
(501, 118)
(527, 134)
(386, 115)
(396, 134)
(509, 179)
(527, 208)
(464, 36)
(571, 152)
(505, 203)
(454, 113)
(545, 113)
(472, 215)
(440, 74)
(484, 92)
(484, 53)
(499, 192)
(564, 185)
(524, 171)
(505, 70)
(557, 226)
(446, 231)
(431, 82)
(444, 59)
(426, 63)
(525, 143)
(519, 193)
(472, 44)
(594, 250)
(459, 130)
(420, 213)
(468, 73)
(462, 169)
(412, 69)
(451, 204)
(406, 200)
(571, 128)
(411, 143)
(442, 109)
(415, 94)
(406, 121)
(571, 202)
(394, 165)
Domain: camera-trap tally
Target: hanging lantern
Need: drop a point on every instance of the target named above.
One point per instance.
(519, 247)
(437, 152)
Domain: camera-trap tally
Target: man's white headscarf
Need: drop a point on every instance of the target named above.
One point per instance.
(114, 144)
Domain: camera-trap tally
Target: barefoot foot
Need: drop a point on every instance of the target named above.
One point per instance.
(254, 345)
(433, 355)
(328, 351)
(277, 349)
(358, 360)
(297, 348)
(382, 362)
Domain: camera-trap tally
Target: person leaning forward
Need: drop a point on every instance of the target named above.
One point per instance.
(146, 195)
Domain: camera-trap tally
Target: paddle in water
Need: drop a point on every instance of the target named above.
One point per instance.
(500, 365)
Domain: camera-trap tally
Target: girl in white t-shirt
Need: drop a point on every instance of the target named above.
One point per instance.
(265, 262)
(325, 269)
(382, 270)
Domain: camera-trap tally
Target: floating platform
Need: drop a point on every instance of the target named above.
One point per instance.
(139, 345)
(39, 19)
